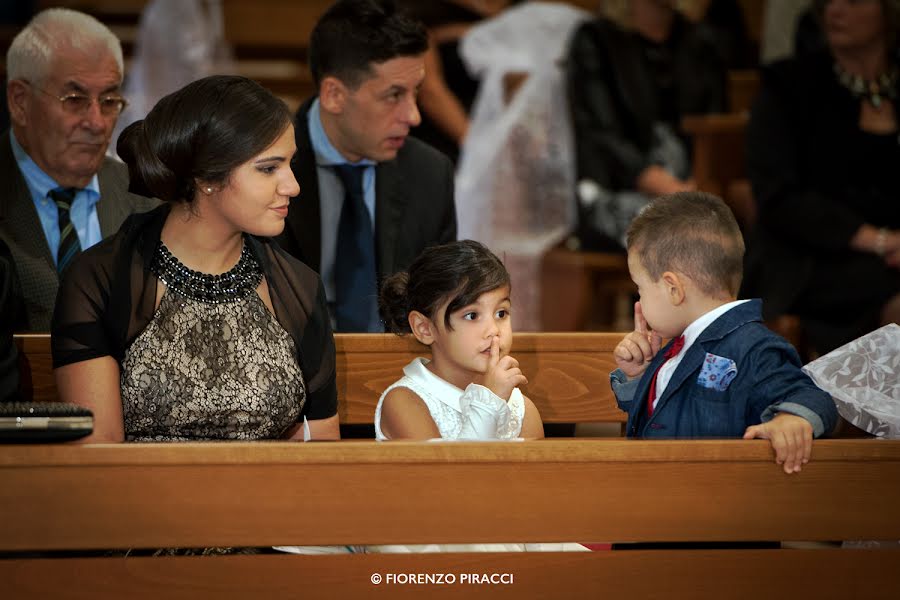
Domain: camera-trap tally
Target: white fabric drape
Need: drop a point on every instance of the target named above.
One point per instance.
(178, 41)
(515, 181)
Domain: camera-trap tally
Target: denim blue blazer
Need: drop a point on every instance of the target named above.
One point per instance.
(736, 374)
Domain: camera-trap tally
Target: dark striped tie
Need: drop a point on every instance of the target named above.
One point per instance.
(69, 246)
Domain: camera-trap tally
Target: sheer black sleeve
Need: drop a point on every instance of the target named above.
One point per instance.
(79, 331)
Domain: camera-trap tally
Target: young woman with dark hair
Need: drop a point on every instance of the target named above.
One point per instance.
(190, 323)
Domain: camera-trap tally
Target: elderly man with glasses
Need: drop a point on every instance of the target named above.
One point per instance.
(59, 192)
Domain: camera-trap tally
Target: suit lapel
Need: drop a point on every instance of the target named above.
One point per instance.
(304, 218)
(390, 202)
(694, 356)
(112, 208)
(21, 228)
(690, 362)
(18, 211)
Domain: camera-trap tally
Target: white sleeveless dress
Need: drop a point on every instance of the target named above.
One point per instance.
(473, 414)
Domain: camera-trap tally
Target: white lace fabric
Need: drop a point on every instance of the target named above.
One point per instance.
(475, 413)
(863, 378)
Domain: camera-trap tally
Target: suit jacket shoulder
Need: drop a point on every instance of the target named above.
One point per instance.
(414, 206)
(116, 202)
(21, 230)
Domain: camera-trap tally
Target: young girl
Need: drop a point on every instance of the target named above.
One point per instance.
(455, 299)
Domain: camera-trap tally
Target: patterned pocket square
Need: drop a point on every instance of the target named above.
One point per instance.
(717, 372)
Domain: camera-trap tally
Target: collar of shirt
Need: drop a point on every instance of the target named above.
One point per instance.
(691, 333)
(326, 154)
(330, 186)
(441, 389)
(40, 184)
(83, 212)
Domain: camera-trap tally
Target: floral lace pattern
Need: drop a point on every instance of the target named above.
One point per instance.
(211, 371)
(863, 378)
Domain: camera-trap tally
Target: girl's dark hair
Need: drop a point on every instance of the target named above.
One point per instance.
(202, 132)
(458, 272)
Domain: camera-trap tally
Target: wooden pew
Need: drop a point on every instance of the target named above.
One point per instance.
(80, 500)
(568, 372)
(718, 149)
(584, 291)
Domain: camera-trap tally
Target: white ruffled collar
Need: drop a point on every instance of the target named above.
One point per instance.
(441, 389)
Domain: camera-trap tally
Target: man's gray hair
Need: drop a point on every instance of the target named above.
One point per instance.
(32, 50)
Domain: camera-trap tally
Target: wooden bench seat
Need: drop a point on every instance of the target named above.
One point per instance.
(95, 497)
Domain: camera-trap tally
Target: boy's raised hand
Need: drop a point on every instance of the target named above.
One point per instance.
(791, 438)
(637, 348)
(503, 374)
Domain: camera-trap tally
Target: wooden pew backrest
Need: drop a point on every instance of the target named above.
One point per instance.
(568, 372)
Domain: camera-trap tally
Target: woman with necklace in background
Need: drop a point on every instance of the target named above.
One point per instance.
(822, 153)
(190, 323)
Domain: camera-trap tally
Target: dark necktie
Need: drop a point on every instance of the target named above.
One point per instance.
(356, 305)
(673, 350)
(69, 246)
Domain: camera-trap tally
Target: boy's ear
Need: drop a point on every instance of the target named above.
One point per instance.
(332, 95)
(422, 327)
(674, 287)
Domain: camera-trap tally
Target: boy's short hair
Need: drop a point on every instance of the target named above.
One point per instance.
(353, 35)
(693, 233)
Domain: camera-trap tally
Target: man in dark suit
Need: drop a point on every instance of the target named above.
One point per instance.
(367, 60)
(59, 194)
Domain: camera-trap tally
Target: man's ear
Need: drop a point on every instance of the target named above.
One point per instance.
(422, 327)
(674, 287)
(16, 99)
(333, 95)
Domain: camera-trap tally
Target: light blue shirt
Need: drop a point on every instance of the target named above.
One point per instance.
(83, 212)
(331, 200)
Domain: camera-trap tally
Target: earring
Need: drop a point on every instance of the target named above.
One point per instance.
(209, 190)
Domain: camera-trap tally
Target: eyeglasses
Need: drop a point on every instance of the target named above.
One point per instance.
(78, 104)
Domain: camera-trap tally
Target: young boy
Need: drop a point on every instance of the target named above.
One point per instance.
(723, 374)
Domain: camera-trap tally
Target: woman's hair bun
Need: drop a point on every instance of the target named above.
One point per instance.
(148, 175)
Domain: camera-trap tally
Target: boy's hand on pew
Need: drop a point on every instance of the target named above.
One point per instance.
(637, 348)
(791, 438)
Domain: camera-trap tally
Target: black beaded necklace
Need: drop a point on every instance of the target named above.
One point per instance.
(876, 91)
(242, 279)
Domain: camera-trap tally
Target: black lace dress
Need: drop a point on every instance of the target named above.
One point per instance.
(213, 363)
